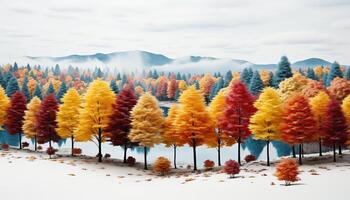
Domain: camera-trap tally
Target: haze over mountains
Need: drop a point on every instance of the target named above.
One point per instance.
(134, 60)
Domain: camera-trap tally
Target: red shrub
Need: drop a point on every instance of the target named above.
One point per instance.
(250, 158)
(50, 151)
(5, 147)
(77, 151)
(25, 144)
(131, 161)
(209, 164)
(287, 170)
(231, 167)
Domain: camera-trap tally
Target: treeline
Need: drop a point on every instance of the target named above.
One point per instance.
(292, 107)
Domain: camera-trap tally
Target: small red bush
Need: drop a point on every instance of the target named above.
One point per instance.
(131, 161)
(287, 170)
(51, 151)
(162, 165)
(249, 158)
(25, 144)
(5, 147)
(209, 164)
(231, 167)
(77, 151)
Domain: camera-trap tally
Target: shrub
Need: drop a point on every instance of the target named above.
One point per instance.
(40, 148)
(25, 144)
(287, 170)
(131, 161)
(51, 151)
(249, 158)
(162, 165)
(5, 147)
(209, 164)
(231, 167)
(77, 151)
(107, 155)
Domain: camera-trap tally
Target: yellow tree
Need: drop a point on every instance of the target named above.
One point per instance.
(346, 111)
(147, 123)
(30, 120)
(169, 136)
(94, 115)
(296, 83)
(319, 106)
(68, 115)
(4, 104)
(264, 124)
(216, 111)
(193, 121)
(182, 85)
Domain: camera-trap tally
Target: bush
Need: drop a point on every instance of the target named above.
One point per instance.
(107, 155)
(209, 164)
(51, 151)
(287, 170)
(25, 144)
(249, 158)
(77, 151)
(162, 165)
(5, 147)
(231, 167)
(40, 148)
(131, 161)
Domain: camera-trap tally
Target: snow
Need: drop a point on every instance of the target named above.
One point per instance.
(28, 175)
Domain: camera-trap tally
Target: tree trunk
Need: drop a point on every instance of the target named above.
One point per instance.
(300, 152)
(334, 159)
(340, 153)
(20, 140)
(50, 148)
(99, 145)
(145, 154)
(125, 149)
(72, 138)
(175, 156)
(268, 152)
(219, 152)
(35, 143)
(293, 150)
(239, 150)
(194, 155)
(320, 146)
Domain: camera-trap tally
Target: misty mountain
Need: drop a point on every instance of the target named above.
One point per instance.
(143, 59)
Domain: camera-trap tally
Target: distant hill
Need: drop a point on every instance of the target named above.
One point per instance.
(142, 59)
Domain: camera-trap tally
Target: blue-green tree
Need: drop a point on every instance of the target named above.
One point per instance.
(256, 84)
(50, 90)
(25, 89)
(245, 76)
(37, 92)
(114, 87)
(284, 71)
(12, 86)
(348, 74)
(311, 74)
(228, 78)
(334, 72)
(63, 89)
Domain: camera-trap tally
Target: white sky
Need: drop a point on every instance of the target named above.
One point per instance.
(258, 31)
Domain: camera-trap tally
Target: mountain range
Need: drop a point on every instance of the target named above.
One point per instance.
(144, 59)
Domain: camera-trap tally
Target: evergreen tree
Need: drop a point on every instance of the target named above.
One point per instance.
(311, 74)
(2, 80)
(25, 89)
(61, 91)
(50, 90)
(347, 75)
(334, 72)
(12, 86)
(245, 77)
(37, 91)
(256, 84)
(57, 70)
(114, 87)
(228, 78)
(284, 71)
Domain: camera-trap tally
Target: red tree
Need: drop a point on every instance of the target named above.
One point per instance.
(298, 125)
(239, 108)
(119, 124)
(172, 87)
(46, 120)
(335, 126)
(15, 114)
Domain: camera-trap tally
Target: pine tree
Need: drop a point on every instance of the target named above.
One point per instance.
(15, 114)
(68, 116)
(4, 104)
(245, 77)
(37, 92)
(12, 86)
(311, 74)
(334, 72)
(319, 105)
(25, 89)
(50, 90)
(46, 121)
(284, 71)
(61, 91)
(120, 121)
(239, 108)
(347, 75)
(256, 84)
(147, 123)
(94, 116)
(228, 78)
(298, 125)
(193, 122)
(335, 126)
(114, 87)
(264, 124)
(216, 110)
(30, 120)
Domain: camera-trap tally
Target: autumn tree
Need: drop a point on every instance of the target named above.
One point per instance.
(335, 126)
(319, 106)
(287, 170)
(4, 104)
(298, 125)
(162, 165)
(206, 83)
(68, 115)
(30, 120)
(147, 123)
(15, 114)
(238, 110)
(46, 122)
(339, 88)
(119, 124)
(346, 111)
(94, 115)
(172, 87)
(216, 110)
(193, 122)
(264, 124)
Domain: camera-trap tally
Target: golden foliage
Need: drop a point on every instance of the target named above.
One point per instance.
(30, 120)
(162, 165)
(296, 83)
(4, 104)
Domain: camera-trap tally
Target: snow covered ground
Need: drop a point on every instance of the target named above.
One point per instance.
(28, 175)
